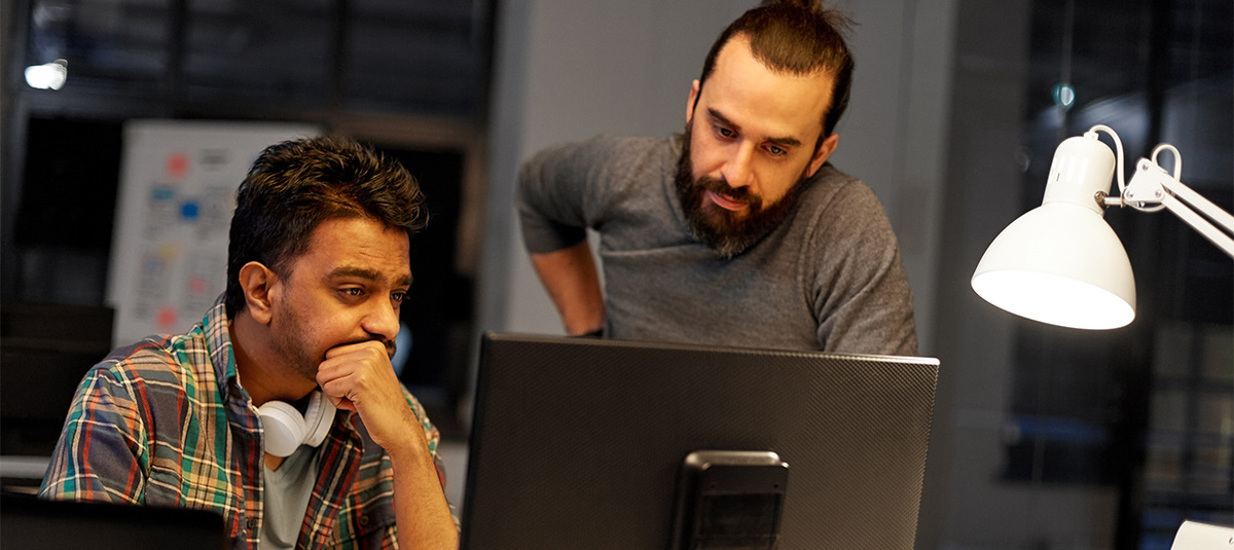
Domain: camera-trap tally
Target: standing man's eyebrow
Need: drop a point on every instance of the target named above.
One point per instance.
(787, 141)
(722, 119)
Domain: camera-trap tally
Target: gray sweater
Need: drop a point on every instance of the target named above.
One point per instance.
(828, 278)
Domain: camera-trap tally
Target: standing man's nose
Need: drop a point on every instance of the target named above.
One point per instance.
(738, 171)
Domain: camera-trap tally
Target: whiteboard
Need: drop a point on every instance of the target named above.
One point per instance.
(178, 181)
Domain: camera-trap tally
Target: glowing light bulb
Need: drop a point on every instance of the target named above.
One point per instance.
(1064, 95)
(48, 76)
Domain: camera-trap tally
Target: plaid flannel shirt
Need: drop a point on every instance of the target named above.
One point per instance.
(164, 422)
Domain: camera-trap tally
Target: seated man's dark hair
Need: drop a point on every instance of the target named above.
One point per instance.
(294, 186)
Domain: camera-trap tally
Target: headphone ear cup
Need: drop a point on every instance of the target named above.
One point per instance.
(318, 418)
(283, 426)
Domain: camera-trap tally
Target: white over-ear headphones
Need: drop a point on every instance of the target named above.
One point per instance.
(287, 429)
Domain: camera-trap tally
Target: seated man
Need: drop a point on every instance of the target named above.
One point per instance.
(238, 415)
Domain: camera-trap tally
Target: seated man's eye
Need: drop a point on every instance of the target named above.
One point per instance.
(398, 297)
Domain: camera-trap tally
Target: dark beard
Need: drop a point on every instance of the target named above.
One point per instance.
(293, 341)
(728, 233)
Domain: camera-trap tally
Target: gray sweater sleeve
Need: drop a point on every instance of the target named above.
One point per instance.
(861, 293)
(561, 191)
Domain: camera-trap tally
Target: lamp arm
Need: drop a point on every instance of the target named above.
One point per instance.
(1218, 237)
(1153, 186)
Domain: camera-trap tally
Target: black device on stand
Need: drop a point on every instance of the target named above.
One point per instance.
(581, 442)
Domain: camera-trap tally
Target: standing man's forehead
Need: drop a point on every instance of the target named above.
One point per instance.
(789, 105)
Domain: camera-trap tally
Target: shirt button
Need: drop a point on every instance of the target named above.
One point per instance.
(363, 520)
(251, 524)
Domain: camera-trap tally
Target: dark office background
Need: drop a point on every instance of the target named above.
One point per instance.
(1134, 409)
(409, 78)
(1143, 414)
(1138, 418)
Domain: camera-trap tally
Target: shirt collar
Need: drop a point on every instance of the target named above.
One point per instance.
(218, 343)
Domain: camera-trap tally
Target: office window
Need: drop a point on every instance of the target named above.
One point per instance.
(119, 45)
(432, 59)
(1145, 410)
(269, 51)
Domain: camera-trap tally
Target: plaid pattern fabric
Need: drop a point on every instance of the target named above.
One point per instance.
(164, 422)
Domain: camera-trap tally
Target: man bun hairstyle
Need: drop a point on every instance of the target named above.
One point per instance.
(295, 185)
(799, 37)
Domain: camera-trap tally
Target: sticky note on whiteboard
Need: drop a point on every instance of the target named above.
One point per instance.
(1194, 535)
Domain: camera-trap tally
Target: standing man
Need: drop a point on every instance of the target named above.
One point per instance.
(738, 232)
(238, 415)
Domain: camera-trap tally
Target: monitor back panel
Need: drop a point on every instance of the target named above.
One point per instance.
(577, 443)
(29, 522)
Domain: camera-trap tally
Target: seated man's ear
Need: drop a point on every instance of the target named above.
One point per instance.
(261, 288)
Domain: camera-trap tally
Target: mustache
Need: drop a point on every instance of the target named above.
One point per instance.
(390, 346)
(721, 187)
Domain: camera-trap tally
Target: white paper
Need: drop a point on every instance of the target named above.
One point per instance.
(177, 193)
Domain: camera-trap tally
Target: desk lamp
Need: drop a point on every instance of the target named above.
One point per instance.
(1061, 263)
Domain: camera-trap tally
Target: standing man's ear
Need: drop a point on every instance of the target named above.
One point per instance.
(825, 149)
(261, 287)
(692, 101)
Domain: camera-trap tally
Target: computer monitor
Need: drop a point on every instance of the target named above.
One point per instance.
(28, 522)
(579, 442)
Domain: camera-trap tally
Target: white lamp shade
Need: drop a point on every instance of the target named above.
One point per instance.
(1061, 264)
